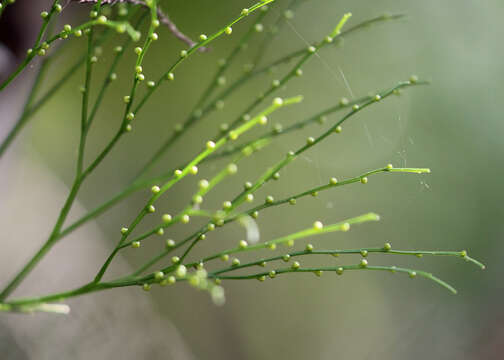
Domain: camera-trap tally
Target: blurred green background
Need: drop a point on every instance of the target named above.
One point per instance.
(453, 126)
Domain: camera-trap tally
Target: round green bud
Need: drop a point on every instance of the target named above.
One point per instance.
(413, 79)
(124, 230)
(227, 205)
(355, 107)
(363, 263)
(140, 77)
(167, 218)
(121, 28)
(203, 37)
(210, 145)
(211, 227)
(272, 274)
(170, 280)
(249, 198)
(289, 243)
(138, 50)
(286, 257)
(245, 12)
(317, 225)
(128, 128)
(328, 39)
(228, 30)
(312, 49)
(135, 244)
(177, 173)
(151, 84)
(185, 219)
(275, 83)
(242, 244)
(197, 199)
(314, 193)
(387, 247)
(146, 287)
(113, 77)
(130, 116)
(127, 99)
(183, 53)
(309, 247)
(41, 52)
(344, 101)
(295, 265)
(154, 36)
(102, 19)
(170, 76)
(261, 278)
(419, 255)
(310, 140)
(151, 209)
(259, 27)
(248, 185)
(160, 231)
(339, 271)
(67, 27)
(255, 214)
(364, 180)
(412, 274)
(278, 101)
(289, 14)
(155, 189)
(364, 253)
(338, 129)
(155, 23)
(318, 273)
(299, 72)
(232, 169)
(44, 14)
(175, 259)
(335, 254)
(78, 33)
(272, 246)
(181, 271)
(193, 170)
(224, 257)
(292, 201)
(389, 166)
(269, 200)
(345, 227)
(377, 97)
(235, 262)
(159, 275)
(203, 184)
(169, 243)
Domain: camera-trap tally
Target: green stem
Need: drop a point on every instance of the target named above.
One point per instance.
(26, 109)
(32, 55)
(14, 283)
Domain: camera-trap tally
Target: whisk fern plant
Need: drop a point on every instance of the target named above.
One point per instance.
(173, 263)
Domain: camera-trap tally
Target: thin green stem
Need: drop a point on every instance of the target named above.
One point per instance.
(333, 183)
(211, 147)
(26, 108)
(340, 269)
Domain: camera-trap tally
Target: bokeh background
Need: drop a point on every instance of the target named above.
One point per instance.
(452, 126)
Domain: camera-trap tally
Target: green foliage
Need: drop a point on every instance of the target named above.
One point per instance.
(205, 274)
